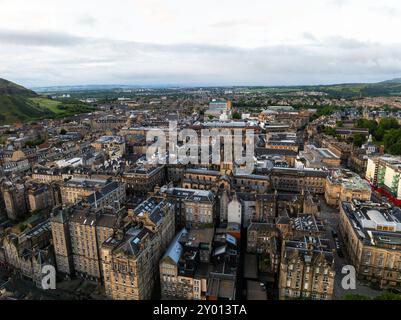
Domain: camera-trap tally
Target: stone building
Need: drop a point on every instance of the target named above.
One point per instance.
(14, 195)
(234, 211)
(296, 180)
(141, 180)
(264, 239)
(372, 238)
(306, 269)
(99, 192)
(344, 185)
(129, 264)
(29, 251)
(194, 208)
(314, 157)
(78, 233)
(42, 197)
(183, 268)
(130, 260)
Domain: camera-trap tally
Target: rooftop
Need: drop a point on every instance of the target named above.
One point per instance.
(195, 237)
(375, 224)
(153, 207)
(192, 194)
(349, 180)
(175, 249)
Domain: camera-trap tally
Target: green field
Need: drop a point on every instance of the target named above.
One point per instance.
(15, 108)
(46, 103)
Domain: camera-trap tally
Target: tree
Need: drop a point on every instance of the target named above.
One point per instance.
(339, 124)
(329, 131)
(385, 128)
(236, 116)
(389, 296)
(356, 297)
(388, 123)
(358, 139)
(63, 131)
(22, 227)
(367, 124)
(392, 141)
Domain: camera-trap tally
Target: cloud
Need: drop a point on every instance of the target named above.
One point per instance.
(387, 10)
(309, 36)
(230, 23)
(347, 43)
(34, 38)
(108, 61)
(87, 20)
(208, 42)
(338, 3)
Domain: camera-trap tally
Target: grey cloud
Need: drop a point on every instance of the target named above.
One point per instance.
(107, 61)
(87, 20)
(50, 39)
(309, 36)
(346, 43)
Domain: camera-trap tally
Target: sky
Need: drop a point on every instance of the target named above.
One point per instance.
(207, 42)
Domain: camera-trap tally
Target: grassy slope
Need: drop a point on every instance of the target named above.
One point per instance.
(15, 108)
(46, 103)
(58, 109)
(18, 104)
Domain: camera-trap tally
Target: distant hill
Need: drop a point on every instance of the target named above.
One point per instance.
(350, 90)
(392, 81)
(345, 90)
(18, 104)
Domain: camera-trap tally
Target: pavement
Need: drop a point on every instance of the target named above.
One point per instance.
(255, 291)
(254, 278)
(75, 289)
(251, 266)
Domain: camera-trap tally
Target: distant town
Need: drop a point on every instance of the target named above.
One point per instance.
(318, 218)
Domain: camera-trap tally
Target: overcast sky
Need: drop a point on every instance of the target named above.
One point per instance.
(203, 42)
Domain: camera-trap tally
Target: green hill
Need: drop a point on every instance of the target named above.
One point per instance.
(11, 88)
(18, 104)
(347, 90)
